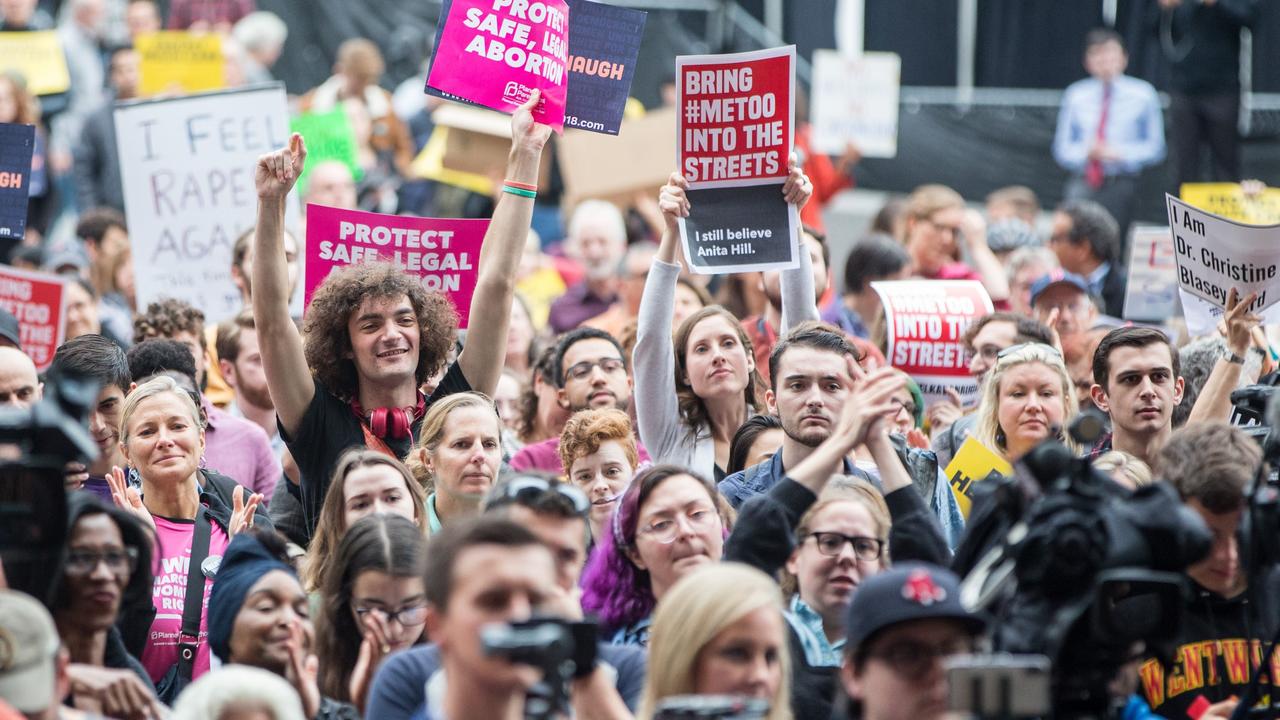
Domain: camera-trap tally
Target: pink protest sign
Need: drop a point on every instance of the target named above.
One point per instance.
(443, 254)
(495, 53)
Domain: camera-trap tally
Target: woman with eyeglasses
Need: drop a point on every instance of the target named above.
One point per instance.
(365, 482)
(374, 603)
(1027, 398)
(458, 455)
(193, 512)
(830, 534)
(669, 522)
(106, 568)
(695, 389)
(935, 220)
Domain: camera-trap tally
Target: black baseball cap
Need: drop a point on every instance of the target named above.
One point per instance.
(10, 334)
(906, 592)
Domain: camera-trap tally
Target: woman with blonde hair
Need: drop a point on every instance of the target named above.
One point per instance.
(365, 482)
(193, 514)
(457, 456)
(707, 641)
(1028, 396)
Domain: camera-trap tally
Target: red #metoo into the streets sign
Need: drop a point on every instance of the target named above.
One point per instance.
(36, 300)
(926, 320)
(736, 116)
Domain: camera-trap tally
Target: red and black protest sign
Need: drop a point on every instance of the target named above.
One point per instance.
(36, 300)
(735, 133)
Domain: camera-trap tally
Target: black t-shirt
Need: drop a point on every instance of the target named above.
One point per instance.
(329, 428)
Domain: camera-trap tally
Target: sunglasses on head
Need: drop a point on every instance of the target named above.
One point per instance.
(533, 491)
(1023, 346)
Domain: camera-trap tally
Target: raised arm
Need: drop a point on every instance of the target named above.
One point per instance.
(653, 362)
(1214, 401)
(799, 301)
(283, 360)
(482, 358)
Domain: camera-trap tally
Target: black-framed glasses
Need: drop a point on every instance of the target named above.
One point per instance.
(119, 562)
(831, 544)
(912, 658)
(1023, 346)
(582, 370)
(532, 491)
(406, 616)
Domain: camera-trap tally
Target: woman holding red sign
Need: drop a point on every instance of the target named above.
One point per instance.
(705, 376)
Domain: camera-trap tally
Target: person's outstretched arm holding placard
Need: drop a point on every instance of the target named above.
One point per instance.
(374, 335)
(693, 391)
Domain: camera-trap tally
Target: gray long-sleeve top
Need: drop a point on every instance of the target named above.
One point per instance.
(662, 431)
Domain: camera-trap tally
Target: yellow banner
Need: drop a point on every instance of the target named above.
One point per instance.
(1229, 201)
(38, 57)
(182, 62)
(971, 464)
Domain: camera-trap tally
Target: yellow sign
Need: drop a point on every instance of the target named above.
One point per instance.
(1229, 201)
(38, 57)
(972, 463)
(173, 61)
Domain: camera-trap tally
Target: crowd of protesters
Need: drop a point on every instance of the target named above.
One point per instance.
(723, 474)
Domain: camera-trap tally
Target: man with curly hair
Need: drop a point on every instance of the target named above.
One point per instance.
(372, 334)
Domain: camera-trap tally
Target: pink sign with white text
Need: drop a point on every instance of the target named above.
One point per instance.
(444, 254)
(497, 52)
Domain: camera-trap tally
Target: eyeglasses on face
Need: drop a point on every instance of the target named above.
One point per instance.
(583, 370)
(119, 562)
(831, 544)
(665, 530)
(406, 616)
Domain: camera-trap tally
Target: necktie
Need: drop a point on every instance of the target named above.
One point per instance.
(1093, 171)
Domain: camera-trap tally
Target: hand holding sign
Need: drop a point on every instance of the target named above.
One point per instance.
(1238, 324)
(527, 134)
(797, 188)
(277, 171)
(673, 202)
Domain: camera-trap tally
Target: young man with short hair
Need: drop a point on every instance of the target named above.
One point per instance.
(1137, 384)
(97, 358)
(481, 571)
(373, 335)
(555, 512)
(809, 384)
(1213, 466)
(241, 365)
(592, 373)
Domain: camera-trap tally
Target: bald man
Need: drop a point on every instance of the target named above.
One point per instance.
(19, 385)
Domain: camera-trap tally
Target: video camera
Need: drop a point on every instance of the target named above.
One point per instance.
(1079, 571)
(35, 446)
(562, 649)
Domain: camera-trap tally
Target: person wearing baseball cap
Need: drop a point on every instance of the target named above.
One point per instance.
(33, 669)
(903, 623)
(1067, 293)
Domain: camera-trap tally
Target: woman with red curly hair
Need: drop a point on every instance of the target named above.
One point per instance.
(373, 335)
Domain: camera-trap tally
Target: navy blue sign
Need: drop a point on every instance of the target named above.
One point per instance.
(17, 143)
(604, 42)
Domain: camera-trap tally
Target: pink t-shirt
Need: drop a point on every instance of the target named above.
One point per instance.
(170, 568)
